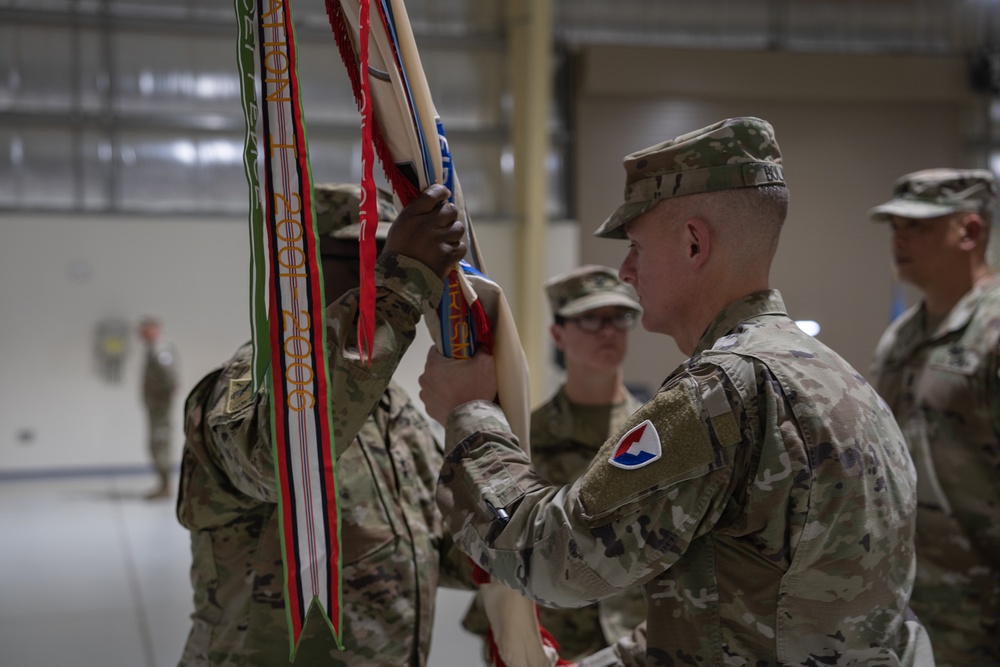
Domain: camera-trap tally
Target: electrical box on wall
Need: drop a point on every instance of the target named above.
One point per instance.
(110, 348)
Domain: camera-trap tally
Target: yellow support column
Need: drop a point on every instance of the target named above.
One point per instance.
(529, 31)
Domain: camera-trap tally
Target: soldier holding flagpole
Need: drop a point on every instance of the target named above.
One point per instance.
(395, 552)
(764, 497)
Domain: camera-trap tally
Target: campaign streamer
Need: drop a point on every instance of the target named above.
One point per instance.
(298, 375)
(400, 121)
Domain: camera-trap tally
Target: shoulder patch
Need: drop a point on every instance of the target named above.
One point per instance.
(686, 451)
(240, 394)
(637, 448)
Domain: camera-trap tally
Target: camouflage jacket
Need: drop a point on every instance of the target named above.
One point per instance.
(394, 551)
(944, 389)
(775, 527)
(565, 438)
(159, 376)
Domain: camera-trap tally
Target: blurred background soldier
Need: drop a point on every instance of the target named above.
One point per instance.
(394, 550)
(159, 382)
(937, 366)
(593, 311)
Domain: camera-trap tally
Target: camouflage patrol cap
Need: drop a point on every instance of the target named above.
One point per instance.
(338, 215)
(935, 192)
(733, 153)
(587, 288)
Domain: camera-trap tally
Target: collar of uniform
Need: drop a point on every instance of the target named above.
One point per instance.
(962, 311)
(901, 337)
(766, 302)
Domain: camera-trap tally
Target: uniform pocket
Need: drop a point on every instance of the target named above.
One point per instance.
(954, 359)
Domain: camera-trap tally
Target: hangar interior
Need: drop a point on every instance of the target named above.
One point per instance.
(122, 194)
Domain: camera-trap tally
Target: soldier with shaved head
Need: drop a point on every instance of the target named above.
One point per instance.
(763, 498)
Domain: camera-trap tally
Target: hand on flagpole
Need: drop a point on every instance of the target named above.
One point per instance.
(429, 231)
(448, 383)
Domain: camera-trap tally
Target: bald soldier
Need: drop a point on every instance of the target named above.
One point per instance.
(937, 366)
(394, 549)
(764, 497)
(592, 311)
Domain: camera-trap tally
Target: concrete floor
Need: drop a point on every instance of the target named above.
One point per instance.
(92, 574)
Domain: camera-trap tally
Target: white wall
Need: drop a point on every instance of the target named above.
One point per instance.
(60, 275)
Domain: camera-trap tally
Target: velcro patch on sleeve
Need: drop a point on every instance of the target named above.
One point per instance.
(674, 416)
(240, 394)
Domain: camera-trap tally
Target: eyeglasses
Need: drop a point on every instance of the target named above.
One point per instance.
(594, 323)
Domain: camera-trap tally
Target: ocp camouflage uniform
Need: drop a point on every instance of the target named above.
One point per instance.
(776, 528)
(394, 551)
(565, 438)
(944, 389)
(159, 382)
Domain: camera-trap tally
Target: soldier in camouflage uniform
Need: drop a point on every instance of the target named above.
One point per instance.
(593, 311)
(394, 550)
(764, 497)
(937, 367)
(159, 382)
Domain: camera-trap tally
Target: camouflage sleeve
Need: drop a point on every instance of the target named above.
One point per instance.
(240, 419)
(239, 430)
(403, 286)
(614, 527)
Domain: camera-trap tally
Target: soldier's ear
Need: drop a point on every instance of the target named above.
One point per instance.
(557, 332)
(697, 241)
(973, 232)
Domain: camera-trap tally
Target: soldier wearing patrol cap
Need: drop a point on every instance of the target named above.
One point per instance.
(394, 550)
(764, 497)
(593, 311)
(937, 367)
